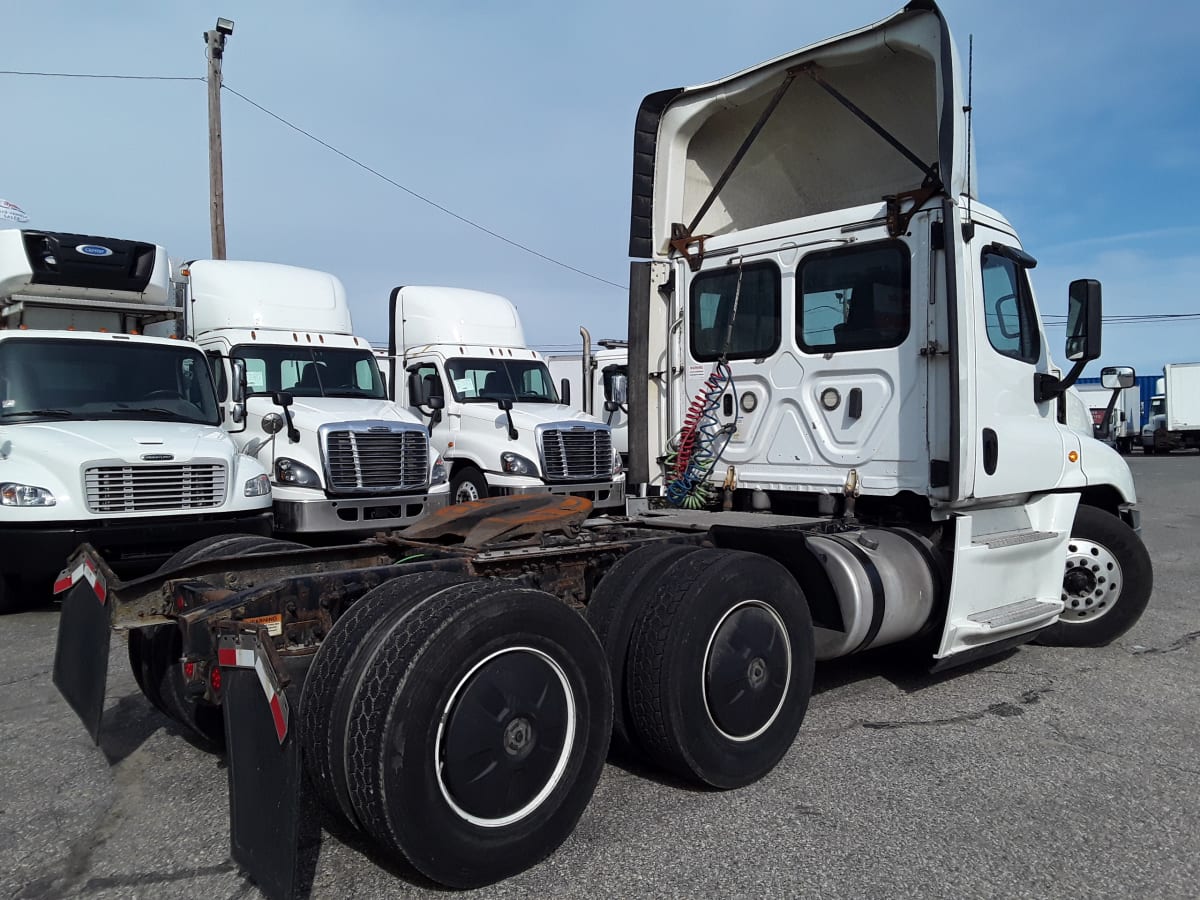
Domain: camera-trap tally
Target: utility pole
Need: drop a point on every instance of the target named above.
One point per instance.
(214, 40)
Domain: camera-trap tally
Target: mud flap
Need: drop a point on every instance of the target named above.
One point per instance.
(81, 654)
(265, 778)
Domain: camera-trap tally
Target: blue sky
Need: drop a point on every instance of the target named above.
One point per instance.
(520, 116)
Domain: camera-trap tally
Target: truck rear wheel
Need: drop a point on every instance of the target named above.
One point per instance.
(481, 733)
(1107, 582)
(721, 667)
(614, 608)
(330, 691)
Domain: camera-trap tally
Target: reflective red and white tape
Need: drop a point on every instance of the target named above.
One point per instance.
(246, 652)
(67, 579)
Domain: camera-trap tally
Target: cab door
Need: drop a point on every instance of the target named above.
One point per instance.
(1019, 446)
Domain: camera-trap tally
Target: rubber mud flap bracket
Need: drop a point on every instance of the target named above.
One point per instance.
(81, 654)
(265, 777)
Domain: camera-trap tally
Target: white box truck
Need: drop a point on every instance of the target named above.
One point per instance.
(1175, 410)
(342, 456)
(598, 380)
(459, 358)
(107, 436)
(847, 430)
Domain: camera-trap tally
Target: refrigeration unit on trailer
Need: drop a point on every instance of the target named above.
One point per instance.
(847, 430)
(342, 456)
(459, 359)
(107, 437)
(598, 380)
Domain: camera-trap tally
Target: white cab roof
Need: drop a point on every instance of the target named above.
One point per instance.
(443, 315)
(232, 293)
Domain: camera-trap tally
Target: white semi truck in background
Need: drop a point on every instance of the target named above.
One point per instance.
(1174, 410)
(310, 402)
(459, 358)
(847, 430)
(107, 436)
(599, 381)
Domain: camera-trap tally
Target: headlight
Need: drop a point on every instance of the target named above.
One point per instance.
(24, 495)
(297, 474)
(258, 486)
(617, 466)
(438, 475)
(515, 464)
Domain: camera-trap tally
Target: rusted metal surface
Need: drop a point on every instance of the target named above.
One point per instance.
(513, 519)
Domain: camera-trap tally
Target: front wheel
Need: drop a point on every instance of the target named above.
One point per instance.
(1106, 584)
(467, 485)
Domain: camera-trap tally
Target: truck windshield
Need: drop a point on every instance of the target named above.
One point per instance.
(311, 372)
(486, 380)
(43, 379)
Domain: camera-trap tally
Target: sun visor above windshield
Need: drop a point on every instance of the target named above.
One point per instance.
(813, 154)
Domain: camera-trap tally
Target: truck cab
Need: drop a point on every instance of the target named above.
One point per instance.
(310, 401)
(107, 436)
(458, 358)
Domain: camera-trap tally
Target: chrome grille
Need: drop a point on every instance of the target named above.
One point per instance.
(140, 488)
(577, 453)
(378, 459)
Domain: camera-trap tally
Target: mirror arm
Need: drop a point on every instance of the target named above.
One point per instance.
(1047, 387)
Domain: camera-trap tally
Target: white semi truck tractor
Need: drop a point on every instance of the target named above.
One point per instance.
(107, 436)
(313, 406)
(847, 430)
(458, 357)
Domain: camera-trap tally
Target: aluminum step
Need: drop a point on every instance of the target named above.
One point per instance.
(1002, 617)
(1013, 538)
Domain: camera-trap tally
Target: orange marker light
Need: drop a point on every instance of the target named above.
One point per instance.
(1073, 456)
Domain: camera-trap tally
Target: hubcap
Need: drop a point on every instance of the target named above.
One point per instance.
(1092, 581)
(747, 670)
(466, 493)
(505, 737)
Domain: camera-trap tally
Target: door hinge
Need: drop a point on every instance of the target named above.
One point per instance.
(933, 348)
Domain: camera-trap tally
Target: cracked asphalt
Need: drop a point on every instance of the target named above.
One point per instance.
(1040, 773)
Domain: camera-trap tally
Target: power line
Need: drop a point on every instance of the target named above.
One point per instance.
(97, 75)
(422, 198)
(346, 156)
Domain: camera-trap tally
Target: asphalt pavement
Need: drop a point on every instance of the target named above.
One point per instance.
(1043, 772)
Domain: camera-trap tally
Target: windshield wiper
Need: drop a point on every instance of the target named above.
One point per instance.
(50, 413)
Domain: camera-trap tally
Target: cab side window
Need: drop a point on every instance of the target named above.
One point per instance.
(428, 383)
(1008, 308)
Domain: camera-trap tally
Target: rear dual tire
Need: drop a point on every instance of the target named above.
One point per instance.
(474, 720)
(712, 659)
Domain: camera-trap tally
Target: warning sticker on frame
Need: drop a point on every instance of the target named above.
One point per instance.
(695, 369)
(274, 623)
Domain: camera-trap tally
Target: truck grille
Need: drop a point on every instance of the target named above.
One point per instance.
(577, 453)
(376, 460)
(141, 488)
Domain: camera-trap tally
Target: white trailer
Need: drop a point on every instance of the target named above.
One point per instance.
(459, 358)
(598, 380)
(107, 436)
(1174, 410)
(343, 457)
